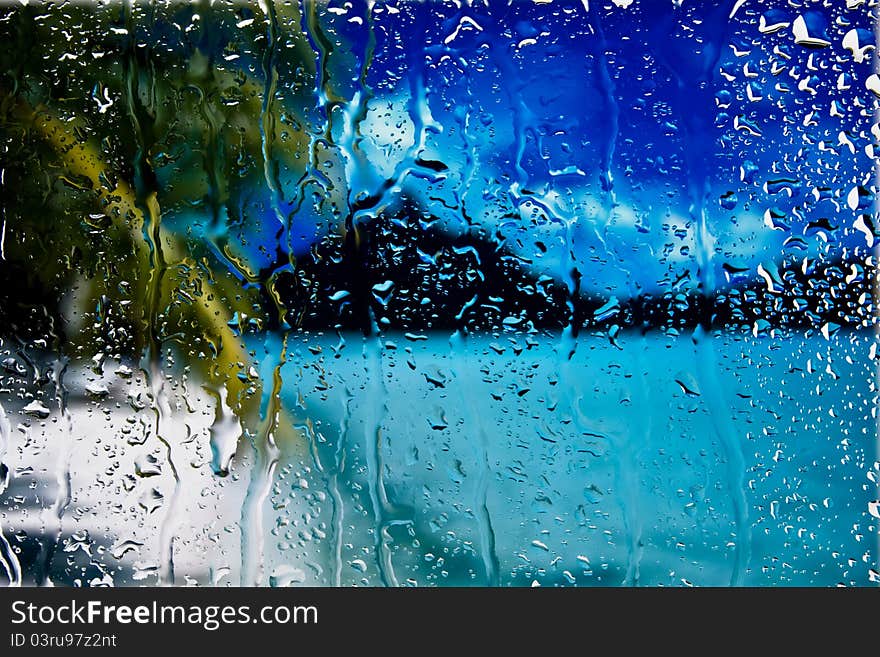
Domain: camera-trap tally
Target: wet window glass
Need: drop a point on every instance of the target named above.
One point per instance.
(435, 293)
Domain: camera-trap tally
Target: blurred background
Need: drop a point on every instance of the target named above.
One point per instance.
(403, 293)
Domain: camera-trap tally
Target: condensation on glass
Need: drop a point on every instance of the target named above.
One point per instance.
(399, 293)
